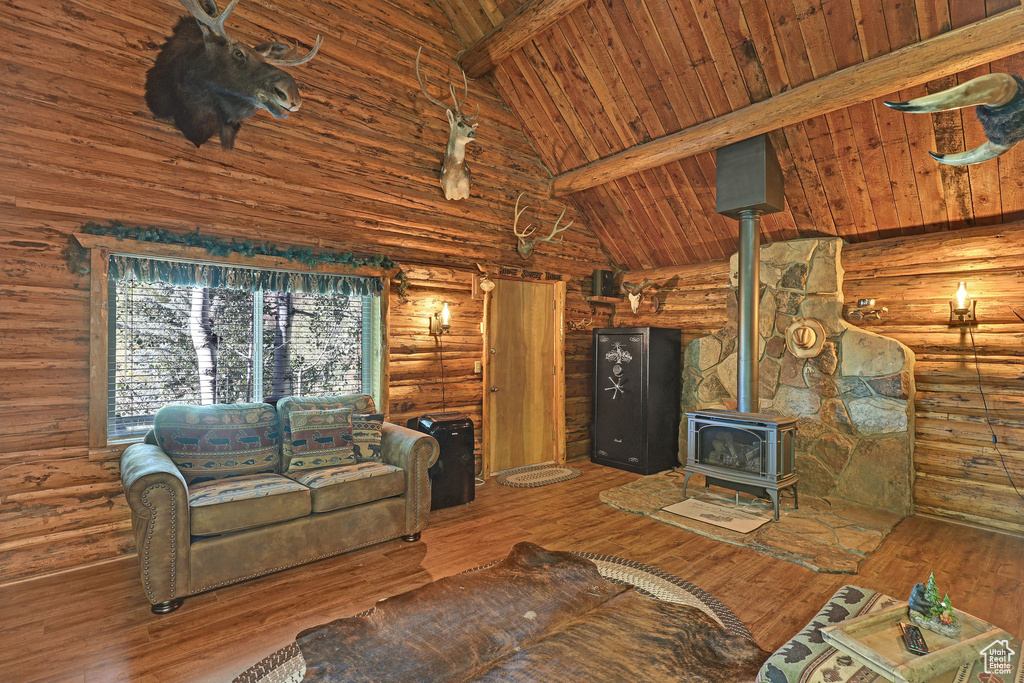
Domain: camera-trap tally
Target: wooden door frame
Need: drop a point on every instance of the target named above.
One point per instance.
(559, 381)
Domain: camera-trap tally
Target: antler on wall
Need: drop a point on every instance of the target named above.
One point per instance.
(455, 175)
(525, 246)
(575, 325)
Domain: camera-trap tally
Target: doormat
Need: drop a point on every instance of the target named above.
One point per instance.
(720, 512)
(827, 535)
(537, 475)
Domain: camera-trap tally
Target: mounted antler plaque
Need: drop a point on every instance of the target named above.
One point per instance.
(525, 246)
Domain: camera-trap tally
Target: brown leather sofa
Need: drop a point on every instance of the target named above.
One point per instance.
(227, 504)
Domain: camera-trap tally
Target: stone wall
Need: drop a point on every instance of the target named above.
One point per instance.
(852, 397)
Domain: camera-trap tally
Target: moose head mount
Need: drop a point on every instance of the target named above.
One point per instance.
(208, 82)
(525, 246)
(455, 175)
(999, 99)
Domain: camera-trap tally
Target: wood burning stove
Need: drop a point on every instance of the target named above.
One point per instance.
(745, 452)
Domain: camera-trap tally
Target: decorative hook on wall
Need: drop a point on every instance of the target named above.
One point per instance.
(864, 310)
(576, 325)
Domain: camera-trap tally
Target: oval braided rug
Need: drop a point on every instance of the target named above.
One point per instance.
(537, 475)
(288, 666)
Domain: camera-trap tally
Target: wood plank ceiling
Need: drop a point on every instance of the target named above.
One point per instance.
(616, 73)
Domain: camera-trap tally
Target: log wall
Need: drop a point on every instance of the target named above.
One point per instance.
(416, 355)
(355, 170)
(960, 474)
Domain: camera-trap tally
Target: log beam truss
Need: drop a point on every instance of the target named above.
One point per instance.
(944, 55)
(511, 34)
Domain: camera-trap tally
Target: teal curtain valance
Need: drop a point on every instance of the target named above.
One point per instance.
(217, 276)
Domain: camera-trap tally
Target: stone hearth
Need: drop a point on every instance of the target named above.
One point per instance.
(853, 400)
(826, 534)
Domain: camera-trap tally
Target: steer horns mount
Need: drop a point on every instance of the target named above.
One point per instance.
(636, 295)
(999, 99)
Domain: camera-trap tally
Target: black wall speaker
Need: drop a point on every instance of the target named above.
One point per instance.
(604, 283)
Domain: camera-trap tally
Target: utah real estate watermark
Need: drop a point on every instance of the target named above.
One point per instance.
(998, 658)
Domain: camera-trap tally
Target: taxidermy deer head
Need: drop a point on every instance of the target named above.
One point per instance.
(525, 246)
(635, 294)
(455, 175)
(208, 82)
(1000, 109)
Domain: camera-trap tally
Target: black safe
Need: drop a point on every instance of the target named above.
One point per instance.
(636, 398)
(452, 476)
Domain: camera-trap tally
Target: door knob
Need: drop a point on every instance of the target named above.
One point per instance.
(493, 389)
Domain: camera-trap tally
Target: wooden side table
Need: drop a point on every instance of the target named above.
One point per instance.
(876, 640)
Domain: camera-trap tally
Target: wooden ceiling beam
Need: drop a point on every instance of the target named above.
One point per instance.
(949, 53)
(511, 34)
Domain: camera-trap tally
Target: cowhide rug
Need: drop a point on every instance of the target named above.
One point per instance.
(537, 615)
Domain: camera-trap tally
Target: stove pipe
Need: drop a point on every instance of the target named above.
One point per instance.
(748, 184)
(749, 303)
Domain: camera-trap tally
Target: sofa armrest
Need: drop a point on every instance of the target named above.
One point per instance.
(414, 452)
(158, 497)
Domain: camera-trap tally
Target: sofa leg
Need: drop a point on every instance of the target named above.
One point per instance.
(412, 538)
(167, 607)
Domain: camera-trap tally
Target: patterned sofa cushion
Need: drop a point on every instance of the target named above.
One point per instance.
(319, 438)
(334, 488)
(212, 442)
(293, 446)
(221, 506)
(366, 436)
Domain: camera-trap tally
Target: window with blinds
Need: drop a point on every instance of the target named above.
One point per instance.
(187, 343)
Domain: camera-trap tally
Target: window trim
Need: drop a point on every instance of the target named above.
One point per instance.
(100, 248)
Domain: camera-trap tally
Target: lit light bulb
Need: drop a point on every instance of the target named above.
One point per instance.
(961, 307)
(961, 297)
(446, 316)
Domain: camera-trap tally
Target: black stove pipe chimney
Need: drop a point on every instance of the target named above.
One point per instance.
(748, 184)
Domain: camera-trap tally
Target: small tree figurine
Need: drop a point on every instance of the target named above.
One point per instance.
(929, 611)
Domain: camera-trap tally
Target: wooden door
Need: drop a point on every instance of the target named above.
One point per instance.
(525, 410)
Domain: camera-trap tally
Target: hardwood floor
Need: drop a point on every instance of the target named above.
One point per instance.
(93, 624)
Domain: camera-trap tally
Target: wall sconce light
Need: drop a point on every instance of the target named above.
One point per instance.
(487, 284)
(441, 322)
(961, 307)
(865, 310)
